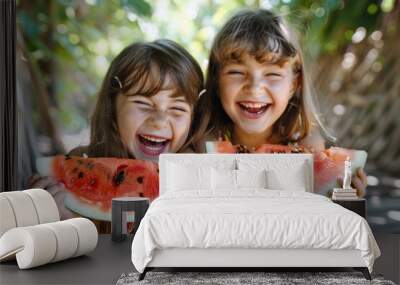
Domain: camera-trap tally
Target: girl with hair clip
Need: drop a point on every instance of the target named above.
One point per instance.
(144, 108)
(146, 102)
(257, 90)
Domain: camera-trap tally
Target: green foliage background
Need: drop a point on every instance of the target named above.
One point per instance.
(73, 41)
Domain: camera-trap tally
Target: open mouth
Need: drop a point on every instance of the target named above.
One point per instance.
(253, 110)
(152, 145)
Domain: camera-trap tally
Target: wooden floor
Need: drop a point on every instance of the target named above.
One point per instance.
(102, 266)
(389, 262)
(110, 260)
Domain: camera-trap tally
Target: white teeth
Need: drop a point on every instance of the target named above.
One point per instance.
(154, 148)
(254, 105)
(153, 139)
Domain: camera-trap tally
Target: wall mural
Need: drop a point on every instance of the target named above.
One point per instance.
(98, 104)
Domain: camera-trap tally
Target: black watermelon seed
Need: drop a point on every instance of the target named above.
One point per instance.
(242, 149)
(81, 174)
(67, 157)
(141, 194)
(119, 178)
(140, 180)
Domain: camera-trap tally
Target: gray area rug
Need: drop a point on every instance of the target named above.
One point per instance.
(229, 278)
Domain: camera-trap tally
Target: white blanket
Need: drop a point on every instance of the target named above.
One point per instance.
(252, 218)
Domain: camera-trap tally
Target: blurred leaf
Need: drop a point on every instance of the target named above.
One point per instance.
(28, 25)
(141, 7)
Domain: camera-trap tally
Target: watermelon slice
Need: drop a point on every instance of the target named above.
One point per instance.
(93, 182)
(328, 164)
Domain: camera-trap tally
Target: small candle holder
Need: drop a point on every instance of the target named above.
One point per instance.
(346, 192)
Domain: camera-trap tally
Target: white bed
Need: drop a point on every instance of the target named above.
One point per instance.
(248, 226)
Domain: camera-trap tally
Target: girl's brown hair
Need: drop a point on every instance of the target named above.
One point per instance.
(263, 35)
(141, 68)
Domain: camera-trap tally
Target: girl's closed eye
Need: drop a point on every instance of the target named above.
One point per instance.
(141, 102)
(180, 109)
(235, 72)
(274, 75)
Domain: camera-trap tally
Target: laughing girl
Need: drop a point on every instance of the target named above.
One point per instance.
(144, 108)
(145, 103)
(258, 91)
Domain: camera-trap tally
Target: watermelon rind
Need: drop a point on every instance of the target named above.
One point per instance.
(90, 211)
(210, 147)
(43, 165)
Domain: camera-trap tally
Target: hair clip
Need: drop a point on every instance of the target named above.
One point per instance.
(202, 92)
(118, 81)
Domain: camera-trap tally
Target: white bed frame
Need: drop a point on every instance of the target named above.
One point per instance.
(246, 258)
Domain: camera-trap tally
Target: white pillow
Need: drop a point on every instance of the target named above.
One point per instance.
(182, 177)
(290, 180)
(223, 179)
(251, 178)
(282, 173)
(228, 179)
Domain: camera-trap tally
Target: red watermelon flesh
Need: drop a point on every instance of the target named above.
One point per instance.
(95, 181)
(225, 147)
(328, 164)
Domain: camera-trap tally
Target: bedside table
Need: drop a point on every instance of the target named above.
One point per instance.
(357, 206)
(120, 208)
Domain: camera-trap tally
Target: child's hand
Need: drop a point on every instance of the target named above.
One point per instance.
(56, 189)
(359, 182)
